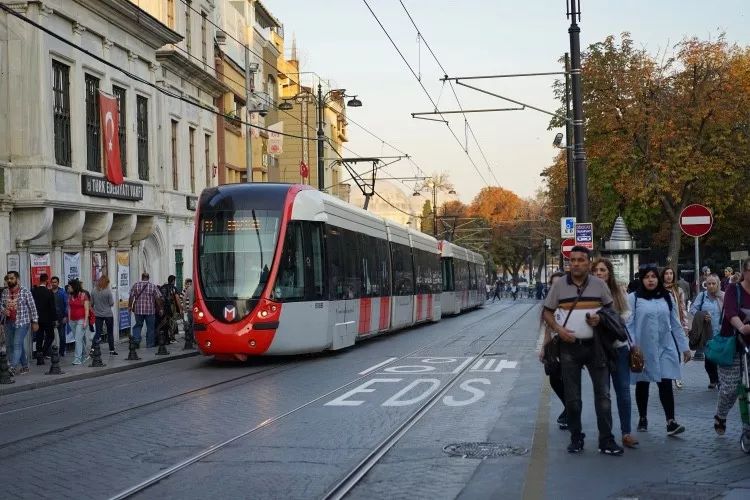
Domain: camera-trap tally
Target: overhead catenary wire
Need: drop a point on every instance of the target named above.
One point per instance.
(427, 93)
(453, 89)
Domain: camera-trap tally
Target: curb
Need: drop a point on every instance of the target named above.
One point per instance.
(13, 389)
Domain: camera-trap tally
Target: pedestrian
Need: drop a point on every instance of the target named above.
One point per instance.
(604, 270)
(656, 329)
(678, 298)
(498, 291)
(172, 308)
(736, 278)
(514, 290)
(79, 304)
(570, 309)
(488, 290)
(102, 301)
(685, 287)
(710, 302)
(18, 308)
(143, 301)
(553, 370)
(188, 293)
(44, 300)
(728, 273)
(736, 322)
(61, 313)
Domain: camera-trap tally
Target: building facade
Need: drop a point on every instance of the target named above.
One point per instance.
(61, 213)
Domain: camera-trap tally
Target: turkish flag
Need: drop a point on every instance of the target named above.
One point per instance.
(303, 170)
(110, 119)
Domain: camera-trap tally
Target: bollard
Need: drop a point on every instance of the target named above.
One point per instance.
(132, 352)
(162, 351)
(96, 357)
(39, 358)
(5, 376)
(54, 368)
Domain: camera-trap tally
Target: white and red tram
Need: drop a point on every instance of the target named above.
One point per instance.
(463, 275)
(286, 269)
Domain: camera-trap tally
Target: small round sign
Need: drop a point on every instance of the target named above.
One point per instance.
(696, 220)
(566, 246)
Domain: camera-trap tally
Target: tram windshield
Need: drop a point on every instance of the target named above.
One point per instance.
(236, 251)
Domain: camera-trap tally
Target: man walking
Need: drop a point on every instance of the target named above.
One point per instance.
(570, 310)
(61, 313)
(188, 299)
(498, 291)
(44, 300)
(17, 306)
(143, 303)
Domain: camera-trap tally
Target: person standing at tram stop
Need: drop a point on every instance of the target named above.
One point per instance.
(19, 311)
(79, 303)
(604, 270)
(736, 321)
(142, 302)
(102, 301)
(554, 373)
(655, 327)
(570, 309)
(188, 300)
(61, 313)
(668, 278)
(44, 300)
(710, 303)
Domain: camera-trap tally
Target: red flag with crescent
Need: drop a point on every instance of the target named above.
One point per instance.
(304, 171)
(110, 119)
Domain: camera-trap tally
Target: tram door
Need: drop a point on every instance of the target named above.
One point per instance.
(403, 285)
(342, 288)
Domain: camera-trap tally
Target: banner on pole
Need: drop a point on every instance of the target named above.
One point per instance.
(275, 139)
(123, 288)
(99, 266)
(71, 266)
(40, 264)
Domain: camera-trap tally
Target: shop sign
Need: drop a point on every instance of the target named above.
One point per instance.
(101, 187)
(13, 262)
(40, 264)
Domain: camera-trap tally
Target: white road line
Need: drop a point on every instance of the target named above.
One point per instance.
(489, 364)
(373, 368)
(477, 365)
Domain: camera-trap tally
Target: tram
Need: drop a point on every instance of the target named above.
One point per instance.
(286, 269)
(463, 274)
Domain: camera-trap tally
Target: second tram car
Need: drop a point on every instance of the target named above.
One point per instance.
(463, 275)
(286, 269)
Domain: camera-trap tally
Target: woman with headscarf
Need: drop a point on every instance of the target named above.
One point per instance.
(655, 327)
(711, 303)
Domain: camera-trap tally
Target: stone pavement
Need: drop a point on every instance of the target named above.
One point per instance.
(38, 377)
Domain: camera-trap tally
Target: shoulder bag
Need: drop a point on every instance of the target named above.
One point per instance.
(637, 361)
(551, 357)
(720, 350)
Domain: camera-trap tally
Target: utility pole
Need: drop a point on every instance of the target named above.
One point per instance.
(434, 210)
(250, 69)
(569, 194)
(579, 156)
(321, 138)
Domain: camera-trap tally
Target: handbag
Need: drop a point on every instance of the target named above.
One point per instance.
(636, 359)
(720, 350)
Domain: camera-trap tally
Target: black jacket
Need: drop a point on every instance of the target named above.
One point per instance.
(611, 328)
(44, 300)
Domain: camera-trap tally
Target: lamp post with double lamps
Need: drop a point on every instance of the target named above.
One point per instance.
(321, 100)
(434, 183)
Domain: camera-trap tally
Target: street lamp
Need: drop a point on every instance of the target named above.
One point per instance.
(320, 102)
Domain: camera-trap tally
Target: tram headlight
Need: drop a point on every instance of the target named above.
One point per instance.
(263, 314)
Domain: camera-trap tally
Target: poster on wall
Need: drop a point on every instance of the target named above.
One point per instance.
(13, 261)
(98, 266)
(71, 266)
(40, 264)
(123, 288)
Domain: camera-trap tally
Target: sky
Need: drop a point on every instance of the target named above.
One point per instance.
(341, 41)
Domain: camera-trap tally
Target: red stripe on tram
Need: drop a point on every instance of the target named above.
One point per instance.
(429, 306)
(364, 314)
(420, 298)
(385, 313)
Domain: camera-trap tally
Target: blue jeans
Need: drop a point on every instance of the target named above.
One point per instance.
(15, 337)
(150, 320)
(61, 326)
(109, 322)
(621, 383)
(80, 331)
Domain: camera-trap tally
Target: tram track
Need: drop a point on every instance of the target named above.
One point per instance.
(170, 471)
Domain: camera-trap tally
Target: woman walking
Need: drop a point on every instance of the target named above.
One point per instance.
(710, 302)
(604, 270)
(669, 278)
(78, 314)
(102, 302)
(554, 373)
(656, 330)
(736, 319)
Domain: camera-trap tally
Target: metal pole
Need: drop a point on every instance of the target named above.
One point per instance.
(434, 211)
(569, 194)
(697, 268)
(579, 157)
(248, 128)
(321, 137)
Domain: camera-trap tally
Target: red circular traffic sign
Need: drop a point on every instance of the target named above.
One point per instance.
(566, 246)
(696, 220)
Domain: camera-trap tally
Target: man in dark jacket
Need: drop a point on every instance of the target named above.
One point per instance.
(44, 300)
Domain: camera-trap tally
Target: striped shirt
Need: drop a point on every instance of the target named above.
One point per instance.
(144, 295)
(22, 304)
(594, 293)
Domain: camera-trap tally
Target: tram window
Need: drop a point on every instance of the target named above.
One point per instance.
(290, 284)
(384, 267)
(317, 290)
(350, 259)
(403, 270)
(437, 284)
(336, 278)
(447, 268)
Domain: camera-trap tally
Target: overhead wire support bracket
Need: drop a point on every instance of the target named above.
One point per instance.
(458, 111)
(562, 117)
(446, 78)
(366, 186)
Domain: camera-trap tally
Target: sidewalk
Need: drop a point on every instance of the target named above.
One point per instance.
(38, 377)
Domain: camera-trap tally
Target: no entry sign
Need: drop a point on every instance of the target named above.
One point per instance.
(696, 220)
(566, 246)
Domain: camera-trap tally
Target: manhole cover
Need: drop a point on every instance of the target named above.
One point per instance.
(483, 450)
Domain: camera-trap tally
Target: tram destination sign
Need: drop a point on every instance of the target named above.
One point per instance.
(101, 187)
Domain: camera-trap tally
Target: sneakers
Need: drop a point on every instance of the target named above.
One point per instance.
(113, 353)
(629, 441)
(576, 443)
(24, 370)
(720, 425)
(642, 424)
(673, 428)
(713, 385)
(77, 362)
(679, 384)
(610, 447)
(562, 420)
